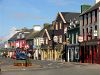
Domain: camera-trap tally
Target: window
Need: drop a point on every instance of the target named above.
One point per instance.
(55, 38)
(83, 20)
(72, 38)
(87, 34)
(77, 53)
(95, 15)
(69, 53)
(60, 39)
(90, 33)
(42, 40)
(60, 25)
(91, 17)
(87, 19)
(57, 26)
(76, 37)
(34, 41)
(37, 40)
(95, 32)
(46, 40)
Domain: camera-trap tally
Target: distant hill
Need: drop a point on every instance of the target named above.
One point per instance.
(2, 42)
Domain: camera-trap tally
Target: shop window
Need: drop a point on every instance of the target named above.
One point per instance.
(76, 53)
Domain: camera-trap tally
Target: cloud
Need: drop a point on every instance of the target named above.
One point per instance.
(22, 16)
(61, 2)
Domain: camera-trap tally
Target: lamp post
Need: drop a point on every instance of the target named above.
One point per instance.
(26, 59)
(65, 45)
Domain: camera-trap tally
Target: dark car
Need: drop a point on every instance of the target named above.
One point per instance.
(21, 56)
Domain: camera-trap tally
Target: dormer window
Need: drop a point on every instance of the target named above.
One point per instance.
(57, 26)
(20, 36)
(23, 36)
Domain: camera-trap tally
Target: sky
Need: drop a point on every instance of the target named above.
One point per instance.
(16, 14)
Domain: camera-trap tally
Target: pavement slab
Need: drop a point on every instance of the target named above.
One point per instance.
(16, 68)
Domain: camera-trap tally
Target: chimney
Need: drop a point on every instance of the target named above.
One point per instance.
(84, 7)
(97, 1)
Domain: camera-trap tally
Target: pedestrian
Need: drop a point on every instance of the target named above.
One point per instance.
(29, 55)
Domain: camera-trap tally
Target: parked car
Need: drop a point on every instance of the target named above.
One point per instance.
(21, 56)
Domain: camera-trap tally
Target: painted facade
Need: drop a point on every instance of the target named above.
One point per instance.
(90, 30)
(61, 24)
(73, 44)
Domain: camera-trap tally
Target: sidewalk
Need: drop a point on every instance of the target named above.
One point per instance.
(84, 65)
(17, 68)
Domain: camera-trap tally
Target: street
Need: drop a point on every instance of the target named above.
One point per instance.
(59, 71)
(50, 68)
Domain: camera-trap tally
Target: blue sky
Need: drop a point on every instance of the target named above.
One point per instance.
(26, 13)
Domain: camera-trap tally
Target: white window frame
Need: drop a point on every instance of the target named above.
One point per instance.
(72, 38)
(60, 39)
(60, 25)
(76, 52)
(46, 40)
(56, 25)
(76, 37)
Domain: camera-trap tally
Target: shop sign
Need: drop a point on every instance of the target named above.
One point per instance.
(80, 38)
(95, 32)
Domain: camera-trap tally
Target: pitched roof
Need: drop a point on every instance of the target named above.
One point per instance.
(49, 32)
(92, 8)
(25, 31)
(32, 34)
(40, 34)
(70, 16)
(35, 34)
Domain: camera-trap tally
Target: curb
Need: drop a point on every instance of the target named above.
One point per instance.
(17, 68)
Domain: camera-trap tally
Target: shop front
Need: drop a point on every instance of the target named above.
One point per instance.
(73, 53)
(90, 52)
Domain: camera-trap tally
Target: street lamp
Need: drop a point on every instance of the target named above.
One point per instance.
(65, 44)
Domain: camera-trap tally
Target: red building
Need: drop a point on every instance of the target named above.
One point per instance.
(90, 30)
(19, 39)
